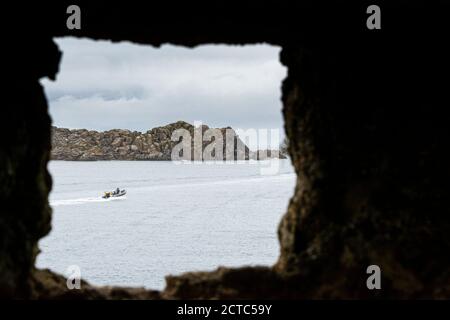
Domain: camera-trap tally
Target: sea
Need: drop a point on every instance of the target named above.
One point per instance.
(175, 218)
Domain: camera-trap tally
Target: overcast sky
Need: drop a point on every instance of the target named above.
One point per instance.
(102, 85)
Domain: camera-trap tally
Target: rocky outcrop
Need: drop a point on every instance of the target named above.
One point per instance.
(155, 144)
(365, 113)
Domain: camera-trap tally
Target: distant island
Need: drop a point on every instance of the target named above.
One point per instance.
(155, 144)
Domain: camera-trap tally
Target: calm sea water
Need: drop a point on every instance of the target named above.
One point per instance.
(175, 218)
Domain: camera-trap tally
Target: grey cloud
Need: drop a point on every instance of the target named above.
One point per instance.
(103, 85)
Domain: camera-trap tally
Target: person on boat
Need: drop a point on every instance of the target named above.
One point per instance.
(117, 191)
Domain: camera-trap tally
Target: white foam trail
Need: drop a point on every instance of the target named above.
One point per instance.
(70, 202)
(251, 179)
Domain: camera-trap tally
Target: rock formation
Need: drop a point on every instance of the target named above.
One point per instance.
(365, 113)
(155, 144)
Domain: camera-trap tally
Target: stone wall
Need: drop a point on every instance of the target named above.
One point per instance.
(368, 135)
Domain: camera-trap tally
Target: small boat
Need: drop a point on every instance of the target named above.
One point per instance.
(114, 194)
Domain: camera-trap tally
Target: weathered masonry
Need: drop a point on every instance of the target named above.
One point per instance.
(364, 112)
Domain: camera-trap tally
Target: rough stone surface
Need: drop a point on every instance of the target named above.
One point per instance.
(368, 135)
(24, 182)
(155, 144)
(46, 284)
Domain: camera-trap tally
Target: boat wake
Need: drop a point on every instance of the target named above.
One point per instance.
(70, 202)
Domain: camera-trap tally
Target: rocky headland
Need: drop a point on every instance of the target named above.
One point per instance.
(155, 144)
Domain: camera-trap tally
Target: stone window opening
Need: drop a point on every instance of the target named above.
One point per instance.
(59, 97)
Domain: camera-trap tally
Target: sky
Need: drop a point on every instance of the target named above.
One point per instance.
(103, 85)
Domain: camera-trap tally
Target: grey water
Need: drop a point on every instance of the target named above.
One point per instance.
(175, 218)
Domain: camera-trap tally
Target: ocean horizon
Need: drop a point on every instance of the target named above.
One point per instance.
(174, 218)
